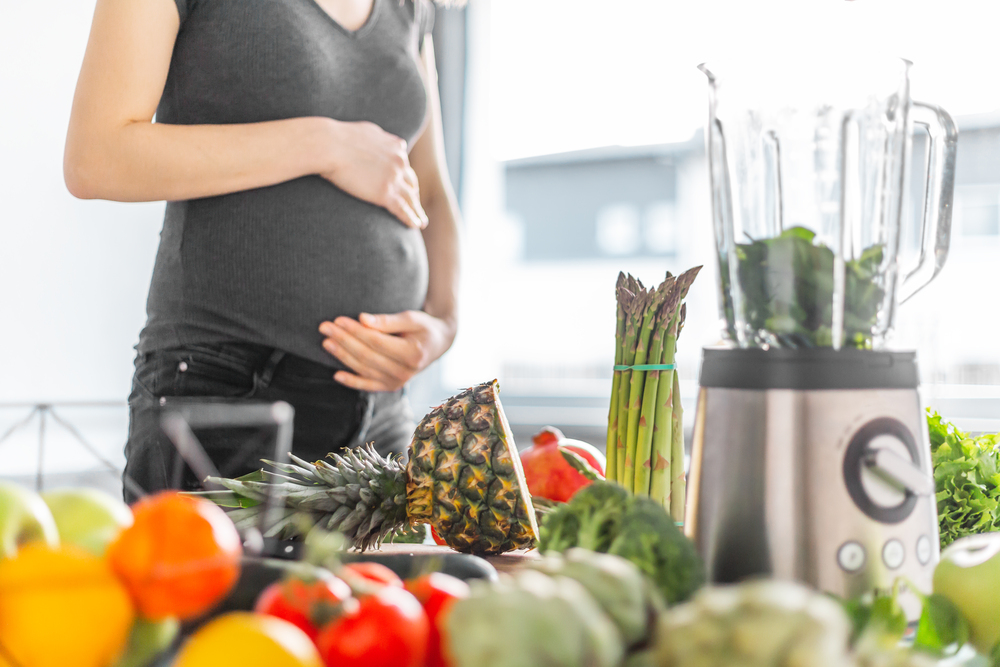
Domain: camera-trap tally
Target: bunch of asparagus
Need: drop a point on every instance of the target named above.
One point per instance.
(645, 442)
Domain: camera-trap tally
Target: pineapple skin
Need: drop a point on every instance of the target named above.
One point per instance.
(464, 476)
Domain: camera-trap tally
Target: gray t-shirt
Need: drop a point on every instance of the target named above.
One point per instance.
(268, 265)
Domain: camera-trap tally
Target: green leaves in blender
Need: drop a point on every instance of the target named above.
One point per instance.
(787, 286)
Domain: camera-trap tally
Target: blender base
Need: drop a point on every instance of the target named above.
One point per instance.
(812, 465)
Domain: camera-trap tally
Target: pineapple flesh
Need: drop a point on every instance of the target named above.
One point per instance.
(465, 478)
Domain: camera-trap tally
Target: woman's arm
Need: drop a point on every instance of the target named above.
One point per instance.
(385, 351)
(115, 151)
(438, 199)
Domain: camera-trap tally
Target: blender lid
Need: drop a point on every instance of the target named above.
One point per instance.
(808, 368)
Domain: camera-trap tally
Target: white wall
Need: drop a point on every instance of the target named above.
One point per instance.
(73, 274)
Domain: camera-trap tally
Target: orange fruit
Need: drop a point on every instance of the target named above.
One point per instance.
(61, 606)
(249, 640)
(180, 556)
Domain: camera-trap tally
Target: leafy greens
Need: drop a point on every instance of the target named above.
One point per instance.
(787, 287)
(879, 623)
(967, 478)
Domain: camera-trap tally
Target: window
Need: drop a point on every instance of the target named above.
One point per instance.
(977, 210)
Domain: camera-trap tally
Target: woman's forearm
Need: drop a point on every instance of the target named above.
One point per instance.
(114, 150)
(441, 237)
(144, 161)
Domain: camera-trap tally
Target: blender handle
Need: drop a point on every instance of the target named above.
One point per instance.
(935, 229)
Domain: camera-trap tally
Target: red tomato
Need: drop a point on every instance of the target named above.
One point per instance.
(374, 572)
(307, 604)
(388, 629)
(437, 592)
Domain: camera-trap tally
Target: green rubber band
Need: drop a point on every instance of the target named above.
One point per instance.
(647, 367)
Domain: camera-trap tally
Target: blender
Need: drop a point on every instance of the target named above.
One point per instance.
(810, 457)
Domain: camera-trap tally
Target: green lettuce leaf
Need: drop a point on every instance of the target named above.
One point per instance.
(967, 477)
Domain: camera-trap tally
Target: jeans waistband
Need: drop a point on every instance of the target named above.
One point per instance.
(263, 359)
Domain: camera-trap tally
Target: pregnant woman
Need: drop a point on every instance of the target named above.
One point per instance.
(309, 251)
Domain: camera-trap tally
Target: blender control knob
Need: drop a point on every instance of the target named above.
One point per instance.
(882, 470)
(899, 471)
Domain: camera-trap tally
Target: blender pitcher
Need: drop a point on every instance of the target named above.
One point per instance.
(810, 458)
(807, 179)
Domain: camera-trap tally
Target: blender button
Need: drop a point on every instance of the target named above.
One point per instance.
(893, 554)
(851, 556)
(924, 550)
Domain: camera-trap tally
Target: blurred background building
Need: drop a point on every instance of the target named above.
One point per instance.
(572, 130)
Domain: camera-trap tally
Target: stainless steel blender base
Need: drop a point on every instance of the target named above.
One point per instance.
(784, 483)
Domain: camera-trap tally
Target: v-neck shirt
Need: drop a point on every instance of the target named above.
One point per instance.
(360, 30)
(267, 265)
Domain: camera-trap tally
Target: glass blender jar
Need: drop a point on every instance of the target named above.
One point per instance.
(810, 457)
(807, 176)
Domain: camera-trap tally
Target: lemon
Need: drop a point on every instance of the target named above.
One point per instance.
(61, 606)
(249, 640)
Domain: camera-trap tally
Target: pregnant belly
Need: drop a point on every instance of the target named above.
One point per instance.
(278, 261)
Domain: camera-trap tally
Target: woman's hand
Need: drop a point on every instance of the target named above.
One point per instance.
(373, 165)
(386, 351)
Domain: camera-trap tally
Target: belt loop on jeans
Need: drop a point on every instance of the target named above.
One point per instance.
(262, 380)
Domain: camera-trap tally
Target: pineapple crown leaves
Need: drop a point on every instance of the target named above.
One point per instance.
(361, 494)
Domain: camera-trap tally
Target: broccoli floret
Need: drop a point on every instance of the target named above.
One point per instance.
(649, 538)
(590, 519)
(604, 517)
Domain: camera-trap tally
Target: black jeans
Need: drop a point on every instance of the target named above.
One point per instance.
(328, 415)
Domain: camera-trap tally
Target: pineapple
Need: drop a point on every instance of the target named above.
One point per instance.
(463, 477)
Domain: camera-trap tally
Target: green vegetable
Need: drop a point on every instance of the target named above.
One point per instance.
(650, 320)
(591, 519)
(642, 441)
(877, 620)
(967, 477)
(755, 624)
(531, 619)
(663, 464)
(643, 658)
(635, 302)
(678, 481)
(658, 315)
(879, 624)
(787, 282)
(942, 629)
(604, 517)
(611, 443)
(616, 584)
